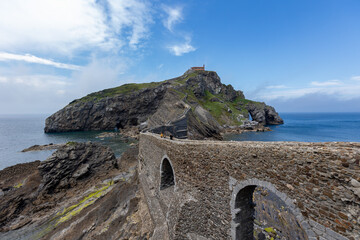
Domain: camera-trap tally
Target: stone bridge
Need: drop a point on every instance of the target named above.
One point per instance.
(204, 189)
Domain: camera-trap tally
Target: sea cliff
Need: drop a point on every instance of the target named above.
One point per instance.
(195, 105)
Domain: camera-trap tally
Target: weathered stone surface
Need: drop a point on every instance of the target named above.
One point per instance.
(264, 114)
(61, 171)
(105, 202)
(202, 125)
(50, 146)
(308, 177)
(105, 114)
(355, 183)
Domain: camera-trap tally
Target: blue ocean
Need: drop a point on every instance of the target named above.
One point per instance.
(309, 127)
(18, 132)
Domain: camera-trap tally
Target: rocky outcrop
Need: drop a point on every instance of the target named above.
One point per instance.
(73, 162)
(202, 81)
(37, 147)
(77, 193)
(162, 105)
(202, 124)
(264, 114)
(107, 113)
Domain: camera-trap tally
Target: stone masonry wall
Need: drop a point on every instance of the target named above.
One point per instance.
(318, 181)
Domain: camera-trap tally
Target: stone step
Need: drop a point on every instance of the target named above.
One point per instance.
(182, 130)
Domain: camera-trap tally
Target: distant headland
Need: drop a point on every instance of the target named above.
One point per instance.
(195, 105)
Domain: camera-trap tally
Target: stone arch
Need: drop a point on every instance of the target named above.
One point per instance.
(167, 175)
(244, 216)
(242, 208)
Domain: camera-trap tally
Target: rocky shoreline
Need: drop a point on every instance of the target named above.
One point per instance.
(49, 146)
(133, 133)
(251, 126)
(47, 200)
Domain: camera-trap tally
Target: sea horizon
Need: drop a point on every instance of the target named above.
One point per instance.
(20, 131)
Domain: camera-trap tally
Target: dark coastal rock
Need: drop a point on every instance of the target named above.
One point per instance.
(72, 162)
(77, 193)
(107, 113)
(264, 114)
(162, 106)
(201, 125)
(26, 187)
(36, 147)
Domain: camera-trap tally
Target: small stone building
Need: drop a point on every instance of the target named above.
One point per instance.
(198, 68)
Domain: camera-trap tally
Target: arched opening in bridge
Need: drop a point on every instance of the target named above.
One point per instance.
(245, 213)
(167, 175)
(260, 212)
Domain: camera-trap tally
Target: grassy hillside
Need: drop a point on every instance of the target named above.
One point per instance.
(132, 87)
(111, 92)
(225, 112)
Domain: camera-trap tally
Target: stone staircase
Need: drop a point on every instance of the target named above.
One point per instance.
(177, 127)
(180, 124)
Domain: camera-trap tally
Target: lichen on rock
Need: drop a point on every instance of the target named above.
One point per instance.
(77, 193)
(72, 162)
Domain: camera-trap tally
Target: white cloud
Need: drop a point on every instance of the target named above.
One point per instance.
(33, 93)
(68, 25)
(291, 93)
(3, 80)
(50, 25)
(356, 78)
(33, 59)
(98, 75)
(174, 15)
(80, 30)
(25, 91)
(276, 86)
(134, 14)
(60, 92)
(38, 82)
(342, 90)
(327, 83)
(180, 49)
(316, 102)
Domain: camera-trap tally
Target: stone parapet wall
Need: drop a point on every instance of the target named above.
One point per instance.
(319, 181)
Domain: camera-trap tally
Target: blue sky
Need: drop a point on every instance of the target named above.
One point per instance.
(295, 55)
